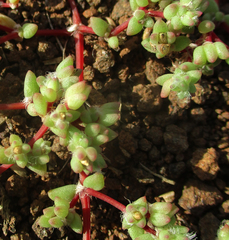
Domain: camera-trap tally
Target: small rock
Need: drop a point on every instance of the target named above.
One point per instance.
(175, 139)
(147, 98)
(16, 186)
(225, 207)
(104, 60)
(144, 144)
(176, 169)
(127, 142)
(46, 50)
(154, 154)
(209, 225)
(155, 134)
(198, 115)
(205, 163)
(197, 197)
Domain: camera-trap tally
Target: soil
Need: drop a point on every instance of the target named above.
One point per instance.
(186, 142)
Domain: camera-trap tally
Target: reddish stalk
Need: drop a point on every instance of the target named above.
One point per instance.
(106, 198)
(119, 28)
(6, 29)
(38, 135)
(79, 44)
(155, 13)
(84, 29)
(8, 37)
(85, 201)
(6, 5)
(53, 32)
(12, 106)
(74, 201)
(149, 230)
(4, 167)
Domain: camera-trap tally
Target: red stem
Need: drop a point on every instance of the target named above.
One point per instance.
(106, 198)
(38, 135)
(155, 13)
(8, 37)
(84, 29)
(75, 13)
(119, 28)
(149, 230)
(4, 167)
(79, 44)
(6, 29)
(12, 106)
(5, 5)
(53, 32)
(74, 201)
(85, 201)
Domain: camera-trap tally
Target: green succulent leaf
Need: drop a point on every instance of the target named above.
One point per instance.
(94, 181)
(29, 30)
(134, 27)
(30, 84)
(99, 26)
(66, 192)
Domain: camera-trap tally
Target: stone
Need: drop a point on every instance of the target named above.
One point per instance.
(205, 163)
(197, 197)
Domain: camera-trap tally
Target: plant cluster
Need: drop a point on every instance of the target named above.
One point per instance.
(59, 100)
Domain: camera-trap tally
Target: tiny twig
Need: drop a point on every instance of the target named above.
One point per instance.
(57, 39)
(159, 176)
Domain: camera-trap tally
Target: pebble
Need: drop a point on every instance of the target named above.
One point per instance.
(205, 163)
(197, 197)
(208, 225)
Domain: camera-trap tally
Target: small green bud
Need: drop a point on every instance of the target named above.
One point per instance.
(49, 212)
(210, 52)
(30, 84)
(61, 211)
(28, 30)
(176, 23)
(65, 72)
(223, 232)
(43, 221)
(113, 42)
(170, 11)
(159, 219)
(199, 56)
(219, 16)
(68, 61)
(94, 181)
(212, 7)
(92, 129)
(139, 14)
(39, 169)
(40, 104)
(49, 94)
(206, 26)
(76, 165)
(99, 26)
(66, 192)
(135, 231)
(142, 3)
(160, 27)
(56, 222)
(134, 27)
(7, 22)
(148, 22)
(74, 222)
(222, 50)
